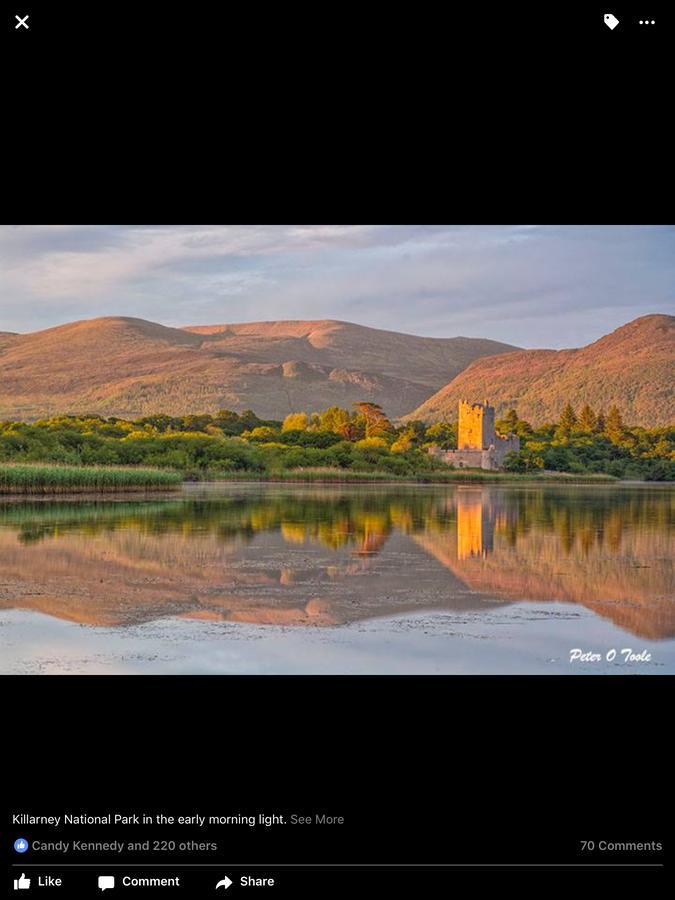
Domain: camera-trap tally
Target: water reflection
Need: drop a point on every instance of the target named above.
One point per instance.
(475, 525)
(305, 555)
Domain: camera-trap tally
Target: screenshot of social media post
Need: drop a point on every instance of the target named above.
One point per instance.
(336, 541)
(337, 450)
(335, 557)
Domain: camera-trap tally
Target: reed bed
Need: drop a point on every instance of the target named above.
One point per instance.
(16, 478)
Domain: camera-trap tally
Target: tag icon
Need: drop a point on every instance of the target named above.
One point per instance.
(611, 21)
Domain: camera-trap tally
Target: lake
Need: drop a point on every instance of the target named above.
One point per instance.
(249, 578)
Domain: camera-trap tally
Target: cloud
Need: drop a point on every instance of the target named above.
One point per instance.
(531, 285)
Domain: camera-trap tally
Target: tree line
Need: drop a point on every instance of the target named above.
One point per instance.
(362, 438)
(590, 441)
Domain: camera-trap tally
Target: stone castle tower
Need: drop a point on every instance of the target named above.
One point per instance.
(478, 444)
(476, 426)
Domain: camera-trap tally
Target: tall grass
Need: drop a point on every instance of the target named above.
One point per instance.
(16, 478)
(25, 478)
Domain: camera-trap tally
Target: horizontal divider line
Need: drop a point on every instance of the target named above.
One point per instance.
(104, 865)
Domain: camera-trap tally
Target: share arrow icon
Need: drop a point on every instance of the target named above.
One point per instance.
(226, 882)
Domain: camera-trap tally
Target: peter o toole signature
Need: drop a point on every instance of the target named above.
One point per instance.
(627, 654)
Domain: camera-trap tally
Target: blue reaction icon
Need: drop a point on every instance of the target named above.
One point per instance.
(21, 845)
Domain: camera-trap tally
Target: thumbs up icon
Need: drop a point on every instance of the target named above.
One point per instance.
(21, 884)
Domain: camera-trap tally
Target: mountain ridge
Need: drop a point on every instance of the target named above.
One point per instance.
(129, 367)
(630, 367)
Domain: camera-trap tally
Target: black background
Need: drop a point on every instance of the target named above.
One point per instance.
(490, 113)
(498, 770)
(229, 112)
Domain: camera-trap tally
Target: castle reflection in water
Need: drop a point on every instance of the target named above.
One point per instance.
(476, 517)
(329, 556)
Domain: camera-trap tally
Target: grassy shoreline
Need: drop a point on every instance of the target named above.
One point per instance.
(37, 478)
(453, 476)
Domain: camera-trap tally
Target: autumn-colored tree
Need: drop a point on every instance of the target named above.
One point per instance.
(600, 422)
(409, 437)
(296, 422)
(337, 420)
(403, 442)
(356, 430)
(614, 427)
(261, 433)
(161, 422)
(587, 419)
(415, 431)
(568, 418)
(376, 422)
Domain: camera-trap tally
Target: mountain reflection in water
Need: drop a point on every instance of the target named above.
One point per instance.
(332, 555)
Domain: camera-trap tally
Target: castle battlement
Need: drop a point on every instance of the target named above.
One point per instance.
(468, 403)
(476, 426)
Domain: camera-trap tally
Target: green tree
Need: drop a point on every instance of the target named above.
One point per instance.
(444, 434)
(512, 424)
(409, 437)
(511, 420)
(227, 415)
(197, 422)
(514, 462)
(228, 421)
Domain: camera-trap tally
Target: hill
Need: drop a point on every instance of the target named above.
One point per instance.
(632, 367)
(129, 367)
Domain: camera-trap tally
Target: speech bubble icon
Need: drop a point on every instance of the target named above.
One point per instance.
(105, 882)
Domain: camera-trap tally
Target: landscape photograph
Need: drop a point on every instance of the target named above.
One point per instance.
(337, 449)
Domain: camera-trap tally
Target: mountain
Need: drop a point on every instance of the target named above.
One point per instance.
(6, 337)
(129, 367)
(632, 367)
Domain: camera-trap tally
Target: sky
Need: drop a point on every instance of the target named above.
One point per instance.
(529, 285)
